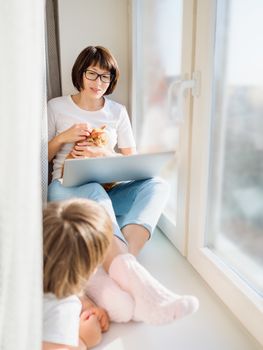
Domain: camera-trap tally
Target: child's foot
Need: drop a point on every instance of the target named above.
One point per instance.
(154, 304)
(106, 293)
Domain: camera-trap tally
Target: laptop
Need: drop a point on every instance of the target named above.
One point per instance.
(110, 169)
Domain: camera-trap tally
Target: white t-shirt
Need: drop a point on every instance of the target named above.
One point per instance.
(63, 113)
(61, 319)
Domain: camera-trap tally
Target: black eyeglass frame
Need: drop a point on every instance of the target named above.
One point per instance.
(100, 76)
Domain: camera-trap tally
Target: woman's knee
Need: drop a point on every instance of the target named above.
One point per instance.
(158, 184)
(93, 190)
(57, 192)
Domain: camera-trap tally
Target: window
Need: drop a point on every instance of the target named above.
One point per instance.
(161, 56)
(159, 60)
(225, 240)
(235, 204)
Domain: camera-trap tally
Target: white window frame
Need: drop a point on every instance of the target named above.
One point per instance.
(242, 300)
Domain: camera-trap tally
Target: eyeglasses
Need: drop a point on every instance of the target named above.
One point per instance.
(91, 75)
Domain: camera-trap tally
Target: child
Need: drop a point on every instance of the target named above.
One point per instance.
(76, 236)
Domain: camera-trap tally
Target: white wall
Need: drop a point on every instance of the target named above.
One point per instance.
(100, 22)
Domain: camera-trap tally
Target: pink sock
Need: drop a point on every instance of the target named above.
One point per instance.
(154, 304)
(106, 293)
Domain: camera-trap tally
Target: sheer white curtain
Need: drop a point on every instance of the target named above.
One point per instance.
(22, 101)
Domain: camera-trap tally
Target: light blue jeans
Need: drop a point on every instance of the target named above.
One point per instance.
(134, 202)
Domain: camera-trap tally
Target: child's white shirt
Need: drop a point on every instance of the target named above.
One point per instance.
(63, 113)
(61, 319)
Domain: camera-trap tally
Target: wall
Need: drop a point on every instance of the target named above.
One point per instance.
(86, 22)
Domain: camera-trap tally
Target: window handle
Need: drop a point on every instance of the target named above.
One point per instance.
(176, 96)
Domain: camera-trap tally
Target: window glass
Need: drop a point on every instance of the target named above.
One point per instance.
(235, 203)
(159, 55)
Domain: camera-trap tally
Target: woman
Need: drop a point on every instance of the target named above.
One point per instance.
(134, 206)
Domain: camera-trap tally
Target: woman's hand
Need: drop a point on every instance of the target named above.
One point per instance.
(77, 132)
(87, 149)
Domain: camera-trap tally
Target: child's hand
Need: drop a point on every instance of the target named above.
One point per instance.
(89, 308)
(89, 329)
(102, 316)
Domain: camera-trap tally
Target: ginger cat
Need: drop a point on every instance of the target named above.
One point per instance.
(98, 138)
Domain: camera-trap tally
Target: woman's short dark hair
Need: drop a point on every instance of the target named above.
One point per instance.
(92, 56)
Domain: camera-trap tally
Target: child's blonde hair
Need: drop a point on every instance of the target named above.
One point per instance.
(76, 235)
